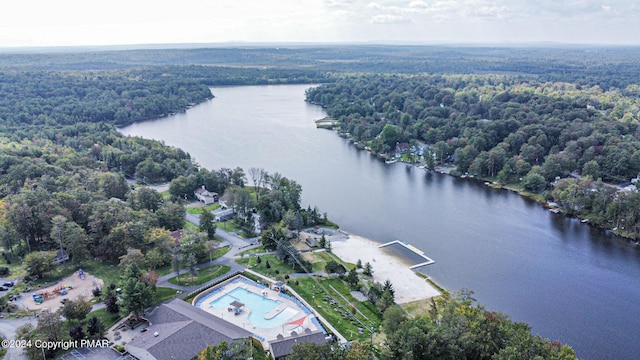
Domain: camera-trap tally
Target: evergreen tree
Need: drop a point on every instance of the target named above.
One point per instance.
(207, 225)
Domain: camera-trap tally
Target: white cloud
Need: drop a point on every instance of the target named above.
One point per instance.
(46, 22)
(387, 19)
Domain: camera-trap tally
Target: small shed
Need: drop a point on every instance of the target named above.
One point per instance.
(61, 256)
(278, 286)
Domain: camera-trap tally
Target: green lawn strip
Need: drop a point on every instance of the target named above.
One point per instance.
(164, 269)
(259, 249)
(370, 313)
(190, 226)
(274, 262)
(15, 268)
(204, 275)
(164, 293)
(318, 260)
(107, 271)
(200, 209)
(106, 318)
(228, 225)
(332, 313)
(219, 252)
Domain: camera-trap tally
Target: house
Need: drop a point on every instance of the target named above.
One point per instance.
(223, 214)
(401, 148)
(283, 346)
(311, 241)
(179, 330)
(205, 196)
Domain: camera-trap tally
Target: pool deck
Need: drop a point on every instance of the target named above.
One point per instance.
(241, 319)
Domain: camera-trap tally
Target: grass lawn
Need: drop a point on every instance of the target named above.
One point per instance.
(200, 209)
(339, 316)
(219, 252)
(109, 272)
(163, 294)
(318, 260)
(107, 318)
(274, 262)
(15, 268)
(228, 225)
(204, 275)
(190, 226)
(259, 249)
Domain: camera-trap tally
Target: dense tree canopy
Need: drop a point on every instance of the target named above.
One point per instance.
(507, 128)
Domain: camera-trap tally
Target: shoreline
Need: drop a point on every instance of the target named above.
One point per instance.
(351, 248)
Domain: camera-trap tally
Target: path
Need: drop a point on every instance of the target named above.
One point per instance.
(237, 245)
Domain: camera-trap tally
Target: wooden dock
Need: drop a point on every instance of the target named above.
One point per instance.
(415, 250)
(326, 123)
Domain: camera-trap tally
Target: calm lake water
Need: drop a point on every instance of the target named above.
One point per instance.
(569, 281)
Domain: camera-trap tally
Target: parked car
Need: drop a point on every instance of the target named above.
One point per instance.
(2, 288)
(8, 283)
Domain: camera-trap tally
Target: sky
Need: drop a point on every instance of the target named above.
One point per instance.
(27, 23)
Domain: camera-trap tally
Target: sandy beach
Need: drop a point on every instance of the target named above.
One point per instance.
(408, 286)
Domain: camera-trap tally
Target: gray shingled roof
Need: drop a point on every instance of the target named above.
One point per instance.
(183, 330)
(284, 347)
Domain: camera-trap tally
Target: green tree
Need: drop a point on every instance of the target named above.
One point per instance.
(217, 352)
(75, 241)
(207, 225)
(352, 278)
(38, 263)
(534, 182)
(95, 327)
(133, 256)
(145, 198)
(77, 309)
(368, 269)
(136, 294)
(390, 135)
(170, 216)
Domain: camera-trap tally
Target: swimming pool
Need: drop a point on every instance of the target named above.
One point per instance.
(259, 305)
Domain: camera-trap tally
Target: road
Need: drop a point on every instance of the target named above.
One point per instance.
(8, 331)
(237, 245)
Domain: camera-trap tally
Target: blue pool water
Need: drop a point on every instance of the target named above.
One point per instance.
(259, 306)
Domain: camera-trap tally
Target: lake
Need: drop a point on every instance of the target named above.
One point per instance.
(568, 280)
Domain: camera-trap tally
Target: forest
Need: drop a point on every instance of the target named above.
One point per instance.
(577, 142)
(518, 116)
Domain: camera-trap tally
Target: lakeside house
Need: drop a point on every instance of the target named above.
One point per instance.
(205, 196)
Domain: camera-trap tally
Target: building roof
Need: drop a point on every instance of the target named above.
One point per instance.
(179, 330)
(284, 346)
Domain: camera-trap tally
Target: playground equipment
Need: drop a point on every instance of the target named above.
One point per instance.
(62, 290)
(38, 298)
(81, 274)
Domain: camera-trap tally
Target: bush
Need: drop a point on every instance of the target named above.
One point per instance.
(4, 271)
(96, 292)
